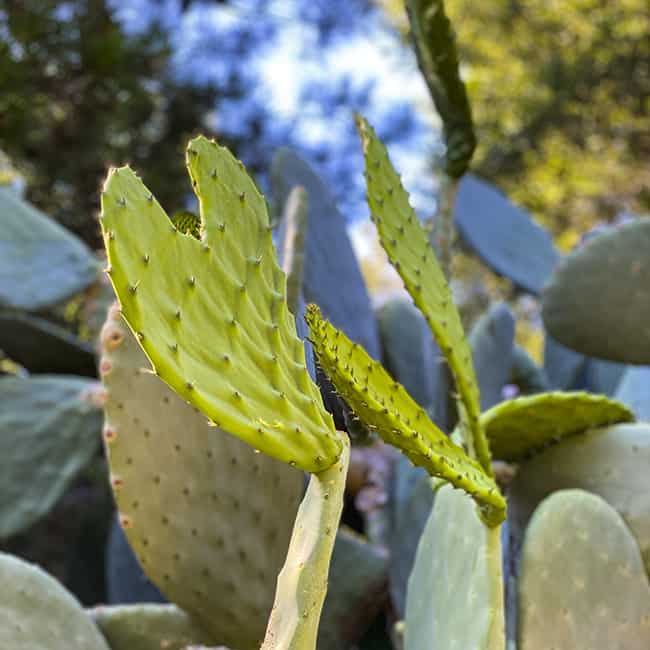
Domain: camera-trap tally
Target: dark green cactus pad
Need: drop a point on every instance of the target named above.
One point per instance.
(561, 365)
(634, 391)
(503, 235)
(332, 277)
(37, 613)
(582, 584)
(383, 405)
(41, 263)
(407, 244)
(212, 314)
(435, 47)
(455, 594)
(491, 341)
(196, 503)
(598, 301)
(356, 593)
(610, 462)
(519, 427)
(43, 347)
(526, 374)
(49, 431)
(148, 627)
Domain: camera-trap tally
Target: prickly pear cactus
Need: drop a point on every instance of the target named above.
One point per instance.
(458, 569)
(211, 314)
(195, 502)
(634, 390)
(597, 302)
(582, 584)
(37, 613)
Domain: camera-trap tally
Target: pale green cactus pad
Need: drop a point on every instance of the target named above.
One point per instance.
(382, 404)
(582, 585)
(212, 314)
(409, 251)
(521, 426)
(612, 462)
(196, 503)
(148, 627)
(37, 613)
(455, 593)
(49, 431)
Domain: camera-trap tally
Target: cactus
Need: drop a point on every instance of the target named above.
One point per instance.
(633, 390)
(49, 432)
(176, 478)
(492, 341)
(455, 594)
(148, 627)
(603, 376)
(383, 404)
(503, 235)
(408, 248)
(37, 613)
(332, 281)
(43, 347)
(34, 248)
(224, 320)
(562, 365)
(526, 374)
(521, 426)
(582, 584)
(597, 301)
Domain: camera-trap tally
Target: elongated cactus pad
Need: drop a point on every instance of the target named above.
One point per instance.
(492, 340)
(611, 462)
(435, 46)
(211, 314)
(41, 263)
(503, 235)
(519, 427)
(302, 583)
(582, 584)
(383, 404)
(196, 503)
(148, 627)
(37, 613)
(455, 594)
(409, 251)
(597, 302)
(48, 433)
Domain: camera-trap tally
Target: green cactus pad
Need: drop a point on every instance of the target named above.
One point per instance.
(49, 432)
(148, 627)
(491, 341)
(196, 503)
(582, 585)
(610, 462)
(37, 613)
(455, 593)
(408, 248)
(302, 583)
(211, 314)
(435, 46)
(598, 300)
(383, 404)
(519, 427)
(41, 263)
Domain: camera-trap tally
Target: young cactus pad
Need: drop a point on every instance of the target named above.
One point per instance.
(383, 404)
(410, 252)
(211, 314)
(520, 426)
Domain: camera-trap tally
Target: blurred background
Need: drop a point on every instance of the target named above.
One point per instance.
(559, 93)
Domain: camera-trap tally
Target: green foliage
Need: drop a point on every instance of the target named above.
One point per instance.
(582, 583)
(224, 323)
(455, 594)
(37, 613)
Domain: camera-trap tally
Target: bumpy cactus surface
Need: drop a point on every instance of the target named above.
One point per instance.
(194, 501)
(597, 302)
(582, 584)
(37, 613)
